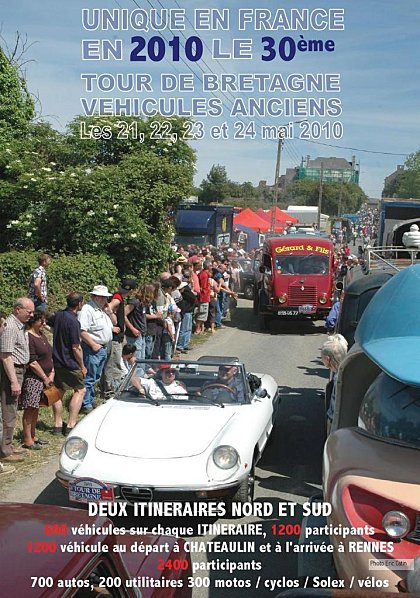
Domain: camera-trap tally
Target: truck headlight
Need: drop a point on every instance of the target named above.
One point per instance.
(323, 298)
(225, 457)
(76, 448)
(396, 524)
(283, 298)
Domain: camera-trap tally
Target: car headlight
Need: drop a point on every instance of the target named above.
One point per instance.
(76, 448)
(396, 524)
(225, 457)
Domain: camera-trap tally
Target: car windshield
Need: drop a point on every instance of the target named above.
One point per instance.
(302, 264)
(391, 410)
(185, 382)
(245, 265)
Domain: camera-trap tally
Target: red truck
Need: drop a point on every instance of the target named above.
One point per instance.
(297, 278)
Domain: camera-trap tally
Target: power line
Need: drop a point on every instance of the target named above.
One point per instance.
(356, 149)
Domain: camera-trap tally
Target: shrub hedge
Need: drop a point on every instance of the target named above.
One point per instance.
(66, 273)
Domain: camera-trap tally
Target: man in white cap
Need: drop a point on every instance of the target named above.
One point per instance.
(96, 322)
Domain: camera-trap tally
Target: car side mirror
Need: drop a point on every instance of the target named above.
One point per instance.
(261, 269)
(339, 285)
(261, 393)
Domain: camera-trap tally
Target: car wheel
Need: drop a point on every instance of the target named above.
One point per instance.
(249, 291)
(245, 492)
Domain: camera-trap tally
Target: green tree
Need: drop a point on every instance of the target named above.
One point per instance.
(84, 201)
(215, 187)
(406, 183)
(17, 107)
(306, 193)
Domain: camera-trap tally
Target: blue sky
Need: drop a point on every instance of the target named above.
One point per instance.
(376, 56)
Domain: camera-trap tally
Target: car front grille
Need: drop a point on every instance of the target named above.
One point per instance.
(414, 536)
(297, 296)
(134, 494)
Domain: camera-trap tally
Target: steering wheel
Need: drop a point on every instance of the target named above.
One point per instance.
(219, 385)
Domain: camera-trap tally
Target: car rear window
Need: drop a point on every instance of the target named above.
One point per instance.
(391, 410)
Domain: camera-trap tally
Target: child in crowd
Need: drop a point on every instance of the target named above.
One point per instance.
(169, 334)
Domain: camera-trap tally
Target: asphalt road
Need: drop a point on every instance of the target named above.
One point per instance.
(289, 471)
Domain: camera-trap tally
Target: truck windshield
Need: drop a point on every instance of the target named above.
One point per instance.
(390, 410)
(302, 264)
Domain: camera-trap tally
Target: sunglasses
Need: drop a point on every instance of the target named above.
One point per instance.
(225, 368)
(168, 372)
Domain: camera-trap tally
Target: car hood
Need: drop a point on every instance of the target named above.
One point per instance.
(164, 432)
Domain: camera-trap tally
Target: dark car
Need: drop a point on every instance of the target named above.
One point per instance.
(52, 551)
(356, 298)
(247, 270)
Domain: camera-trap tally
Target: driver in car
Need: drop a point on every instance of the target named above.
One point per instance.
(165, 386)
(227, 386)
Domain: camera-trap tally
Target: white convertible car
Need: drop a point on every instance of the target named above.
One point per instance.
(180, 430)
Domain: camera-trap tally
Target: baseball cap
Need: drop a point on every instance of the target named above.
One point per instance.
(128, 284)
(166, 366)
(387, 333)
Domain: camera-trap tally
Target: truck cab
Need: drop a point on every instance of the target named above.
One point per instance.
(297, 278)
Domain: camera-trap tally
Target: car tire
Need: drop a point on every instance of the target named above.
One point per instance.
(245, 492)
(249, 291)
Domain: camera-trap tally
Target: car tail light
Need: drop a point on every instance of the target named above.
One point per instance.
(323, 298)
(283, 298)
(388, 520)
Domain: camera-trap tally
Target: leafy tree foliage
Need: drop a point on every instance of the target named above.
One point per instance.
(406, 183)
(306, 193)
(215, 187)
(110, 196)
(17, 108)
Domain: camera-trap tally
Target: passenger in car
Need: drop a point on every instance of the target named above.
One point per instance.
(163, 386)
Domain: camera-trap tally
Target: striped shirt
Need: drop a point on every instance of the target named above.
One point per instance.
(14, 340)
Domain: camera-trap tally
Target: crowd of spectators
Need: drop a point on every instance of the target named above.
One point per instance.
(155, 320)
(83, 344)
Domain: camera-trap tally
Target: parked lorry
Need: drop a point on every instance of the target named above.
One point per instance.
(307, 216)
(203, 225)
(395, 218)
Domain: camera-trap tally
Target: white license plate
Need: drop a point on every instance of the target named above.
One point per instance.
(88, 490)
(288, 312)
(306, 309)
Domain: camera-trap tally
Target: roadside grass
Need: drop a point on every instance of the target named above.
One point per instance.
(35, 459)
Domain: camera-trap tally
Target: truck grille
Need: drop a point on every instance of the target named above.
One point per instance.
(414, 536)
(134, 494)
(299, 297)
